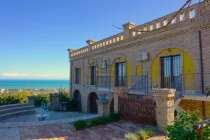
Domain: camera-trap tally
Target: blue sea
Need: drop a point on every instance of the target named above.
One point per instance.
(33, 84)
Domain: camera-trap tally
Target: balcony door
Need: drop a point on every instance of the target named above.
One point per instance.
(171, 72)
(93, 74)
(77, 76)
(120, 74)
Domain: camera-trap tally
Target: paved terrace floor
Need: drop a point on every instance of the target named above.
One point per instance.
(53, 117)
(63, 131)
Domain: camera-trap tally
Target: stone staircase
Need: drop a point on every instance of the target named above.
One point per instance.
(13, 110)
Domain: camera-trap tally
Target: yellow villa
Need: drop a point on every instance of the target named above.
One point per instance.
(177, 56)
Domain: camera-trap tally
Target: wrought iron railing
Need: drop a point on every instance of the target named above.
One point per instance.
(185, 84)
(140, 86)
(112, 81)
(192, 83)
(188, 83)
(135, 84)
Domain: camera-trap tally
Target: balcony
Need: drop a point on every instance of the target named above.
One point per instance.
(189, 84)
(135, 84)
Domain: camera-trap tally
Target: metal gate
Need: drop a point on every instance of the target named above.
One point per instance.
(137, 110)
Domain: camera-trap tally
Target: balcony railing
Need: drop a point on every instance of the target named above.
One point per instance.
(185, 84)
(135, 84)
(192, 83)
(140, 86)
(189, 83)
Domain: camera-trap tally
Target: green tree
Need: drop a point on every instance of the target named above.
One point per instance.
(182, 129)
(23, 95)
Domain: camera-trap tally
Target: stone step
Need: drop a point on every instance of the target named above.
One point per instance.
(19, 108)
(17, 113)
(2, 107)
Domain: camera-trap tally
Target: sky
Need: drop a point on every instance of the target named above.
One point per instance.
(35, 34)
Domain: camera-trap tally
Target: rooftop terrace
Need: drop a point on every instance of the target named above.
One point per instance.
(130, 30)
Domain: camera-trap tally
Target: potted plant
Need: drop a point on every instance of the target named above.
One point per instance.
(207, 92)
(102, 96)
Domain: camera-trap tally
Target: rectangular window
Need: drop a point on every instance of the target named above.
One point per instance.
(120, 75)
(77, 76)
(93, 75)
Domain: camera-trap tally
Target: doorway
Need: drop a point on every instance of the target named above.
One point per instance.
(92, 102)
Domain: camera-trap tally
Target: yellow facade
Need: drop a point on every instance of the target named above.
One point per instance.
(191, 105)
(207, 109)
(194, 105)
(138, 70)
(98, 71)
(128, 70)
(186, 63)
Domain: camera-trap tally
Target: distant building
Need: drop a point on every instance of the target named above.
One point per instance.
(2, 90)
(176, 56)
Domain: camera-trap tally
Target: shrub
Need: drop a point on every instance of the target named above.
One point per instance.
(144, 134)
(72, 106)
(80, 124)
(183, 126)
(131, 136)
(206, 133)
(113, 117)
(9, 100)
(100, 121)
(63, 97)
(39, 98)
(23, 95)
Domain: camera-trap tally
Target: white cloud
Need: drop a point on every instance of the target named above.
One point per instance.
(15, 75)
(22, 75)
(44, 75)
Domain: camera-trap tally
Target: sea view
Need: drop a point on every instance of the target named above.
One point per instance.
(33, 84)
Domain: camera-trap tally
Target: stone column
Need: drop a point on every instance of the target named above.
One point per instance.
(164, 107)
(31, 100)
(119, 92)
(103, 107)
(116, 103)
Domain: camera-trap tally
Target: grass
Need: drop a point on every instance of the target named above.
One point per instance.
(142, 134)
